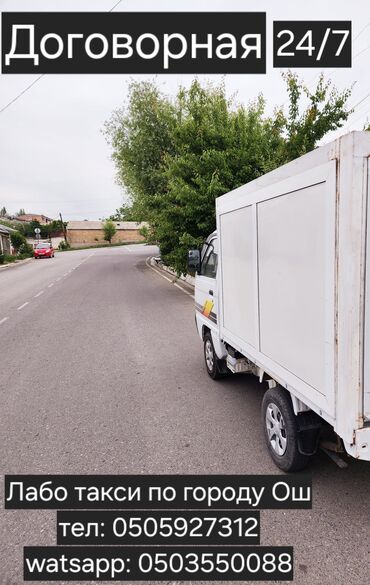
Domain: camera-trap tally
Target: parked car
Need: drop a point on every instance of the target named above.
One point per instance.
(43, 250)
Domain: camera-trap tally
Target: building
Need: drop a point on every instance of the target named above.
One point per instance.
(5, 244)
(42, 219)
(91, 232)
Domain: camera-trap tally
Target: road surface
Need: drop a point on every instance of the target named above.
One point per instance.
(101, 371)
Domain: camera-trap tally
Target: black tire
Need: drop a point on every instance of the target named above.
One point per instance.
(215, 367)
(280, 429)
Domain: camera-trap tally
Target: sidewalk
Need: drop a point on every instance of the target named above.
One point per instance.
(16, 263)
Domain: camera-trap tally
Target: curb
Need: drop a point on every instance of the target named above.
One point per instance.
(16, 263)
(184, 286)
(188, 280)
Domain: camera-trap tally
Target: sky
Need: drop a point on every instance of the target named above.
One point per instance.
(53, 155)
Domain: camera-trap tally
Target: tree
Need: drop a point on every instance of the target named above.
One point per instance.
(109, 230)
(3, 212)
(124, 213)
(20, 244)
(21, 211)
(175, 157)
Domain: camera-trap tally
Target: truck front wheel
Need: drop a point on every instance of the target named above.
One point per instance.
(216, 368)
(280, 428)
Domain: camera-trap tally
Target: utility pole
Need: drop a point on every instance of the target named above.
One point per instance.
(64, 228)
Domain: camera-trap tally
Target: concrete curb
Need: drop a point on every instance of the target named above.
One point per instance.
(189, 280)
(185, 287)
(16, 263)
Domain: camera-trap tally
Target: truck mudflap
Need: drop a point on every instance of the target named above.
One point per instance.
(360, 448)
(308, 432)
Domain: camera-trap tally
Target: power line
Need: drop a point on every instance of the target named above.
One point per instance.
(21, 93)
(39, 77)
(330, 70)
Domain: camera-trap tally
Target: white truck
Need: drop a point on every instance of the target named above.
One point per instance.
(282, 291)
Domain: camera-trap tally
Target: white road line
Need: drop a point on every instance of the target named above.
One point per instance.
(168, 279)
(50, 285)
(65, 274)
(3, 320)
(39, 294)
(183, 290)
(22, 306)
(58, 279)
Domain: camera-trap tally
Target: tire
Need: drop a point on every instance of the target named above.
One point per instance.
(215, 367)
(280, 429)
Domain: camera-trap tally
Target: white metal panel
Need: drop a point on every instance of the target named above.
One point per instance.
(367, 309)
(296, 256)
(351, 254)
(324, 174)
(237, 242)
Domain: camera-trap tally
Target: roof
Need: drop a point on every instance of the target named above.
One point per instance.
(98, 225)
(4, 230)
(33, 216)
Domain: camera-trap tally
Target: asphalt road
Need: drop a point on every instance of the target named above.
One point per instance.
(103, 372)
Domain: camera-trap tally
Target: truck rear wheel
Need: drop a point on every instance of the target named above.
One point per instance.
(216, 368)
(280, 428)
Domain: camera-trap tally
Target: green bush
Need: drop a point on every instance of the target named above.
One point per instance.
(8, 259)
(17, 240)
(25, 250)
(63, 245)
(2, 258)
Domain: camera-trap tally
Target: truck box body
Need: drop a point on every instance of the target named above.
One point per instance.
(294, 281)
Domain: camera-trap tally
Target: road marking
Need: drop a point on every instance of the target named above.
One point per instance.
(50, 285)
(3, 320)
(65, 274)
(22, 306)
(168, 279)
(183, 290)
(39, 294)
(58, 279)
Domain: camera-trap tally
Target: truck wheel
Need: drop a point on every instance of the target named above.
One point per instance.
(280, 428)
(216, 368)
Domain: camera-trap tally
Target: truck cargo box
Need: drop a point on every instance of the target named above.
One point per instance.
(294, 281)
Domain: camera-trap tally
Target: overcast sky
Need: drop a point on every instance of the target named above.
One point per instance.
(53, 156)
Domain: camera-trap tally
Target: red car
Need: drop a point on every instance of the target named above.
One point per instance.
(43, 250)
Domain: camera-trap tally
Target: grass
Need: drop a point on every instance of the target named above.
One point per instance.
(9, 259)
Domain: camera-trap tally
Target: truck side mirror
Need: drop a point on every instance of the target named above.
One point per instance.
(193, 261)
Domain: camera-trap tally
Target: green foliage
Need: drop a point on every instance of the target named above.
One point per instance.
(21, 211)
(124, 213)
(2, 258)
(8, 258)
(148, 234)
(175, 157)
(25, 250)
(109, 230)
(20, 245)
(3, 212)
(54, 228)
(63, 245)
(18, 240)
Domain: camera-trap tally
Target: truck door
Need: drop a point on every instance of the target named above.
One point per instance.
(206, 285)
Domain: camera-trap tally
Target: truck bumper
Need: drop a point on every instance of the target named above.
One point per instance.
(360, 449)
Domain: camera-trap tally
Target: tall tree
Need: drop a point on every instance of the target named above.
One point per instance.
(174, 157)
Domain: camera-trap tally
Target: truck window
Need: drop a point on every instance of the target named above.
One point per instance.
(209, 262)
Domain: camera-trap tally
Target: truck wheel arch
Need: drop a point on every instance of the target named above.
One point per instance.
(218, 345)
